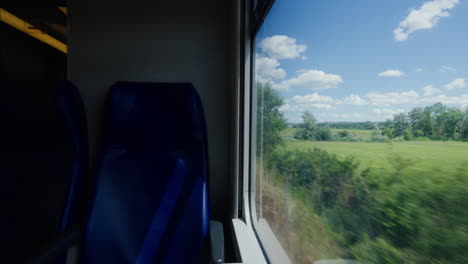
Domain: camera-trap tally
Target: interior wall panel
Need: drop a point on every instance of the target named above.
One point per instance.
(160, 41)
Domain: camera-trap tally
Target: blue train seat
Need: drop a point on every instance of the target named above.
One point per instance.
(151, 200)
(151, 197)
(43, 157)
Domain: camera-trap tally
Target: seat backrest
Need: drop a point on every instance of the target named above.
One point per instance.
(43, 156)
(72, 112)
(151, 203)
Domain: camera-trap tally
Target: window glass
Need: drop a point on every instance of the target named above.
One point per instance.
(362, 130)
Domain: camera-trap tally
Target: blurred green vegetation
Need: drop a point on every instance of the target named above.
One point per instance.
(394, 214)
(380, 197)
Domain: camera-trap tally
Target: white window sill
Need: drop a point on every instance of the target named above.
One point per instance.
(249, 249)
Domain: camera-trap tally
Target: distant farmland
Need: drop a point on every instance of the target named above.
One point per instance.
(359, 199)
(425, 156)
(430, 157)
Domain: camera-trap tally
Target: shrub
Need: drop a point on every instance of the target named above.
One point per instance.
(380, 139)
(343, 133)
(323, 134)
(422, 139)
(418, 133)
(388, 132)
(408, 135)
(345, 137)
(397, 217)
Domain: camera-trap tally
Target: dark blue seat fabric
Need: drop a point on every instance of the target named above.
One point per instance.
(72, 112)
(151, 198)
(43, 155)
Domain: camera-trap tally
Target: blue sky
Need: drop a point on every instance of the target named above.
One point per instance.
(364, 60)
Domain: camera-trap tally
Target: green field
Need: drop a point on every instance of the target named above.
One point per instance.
(288, 133)
(407, 208)
(425, 156)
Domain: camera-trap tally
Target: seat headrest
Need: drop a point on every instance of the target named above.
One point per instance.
(164, 116)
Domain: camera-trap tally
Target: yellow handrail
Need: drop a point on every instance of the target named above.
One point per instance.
(23, 26)
(63, 9)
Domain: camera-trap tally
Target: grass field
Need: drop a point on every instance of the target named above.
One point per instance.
(288, 132)
(425, 156)
(416, 182)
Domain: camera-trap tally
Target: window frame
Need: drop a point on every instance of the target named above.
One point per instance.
(251, 248)
(252, 18)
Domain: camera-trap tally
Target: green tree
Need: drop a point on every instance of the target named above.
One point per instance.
(446, 121)
(377, 136)
(270, 121)
(418, 133)
(438, 115)
(419, 119)
(453, 120)
(323, 134)
(429, 128)
(464, 126)
(408, 134)
(308, 128)
(400, 123)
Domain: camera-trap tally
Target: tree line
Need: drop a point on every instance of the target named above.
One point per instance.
(368, 125)
(435, 122)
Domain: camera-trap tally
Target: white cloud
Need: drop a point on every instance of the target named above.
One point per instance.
(409, 97)
(279, 86)
(353, 99)
(426, 17)
(266, 69)
(308, 102)
(290, 108)
(413, 98)
(392, 73)
(430, 90)
(322, 106)
(447, 69)
(450, 100)
(282, 47)
(455, 84)
(387, 111)
(419, 70)
(311, 98)
(344, 117)
(300, 108)
(312, 79)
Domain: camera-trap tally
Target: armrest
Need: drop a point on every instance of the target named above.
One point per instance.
(58, 248)
(217, 242)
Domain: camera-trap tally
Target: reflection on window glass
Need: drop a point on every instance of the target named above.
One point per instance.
(362, 130)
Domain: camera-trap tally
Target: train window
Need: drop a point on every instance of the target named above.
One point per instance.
(361, 130)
